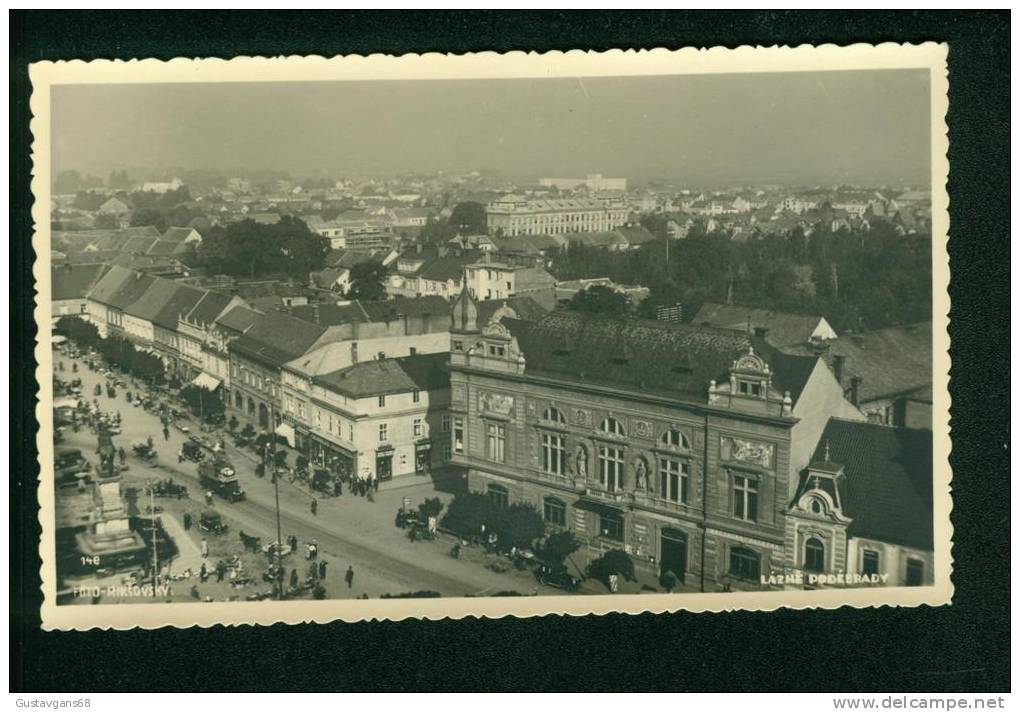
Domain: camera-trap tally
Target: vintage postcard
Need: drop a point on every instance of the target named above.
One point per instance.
(485, 335)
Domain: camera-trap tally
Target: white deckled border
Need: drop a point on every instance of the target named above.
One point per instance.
(490, 65)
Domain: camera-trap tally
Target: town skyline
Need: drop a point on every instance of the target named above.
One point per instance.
(865, 128)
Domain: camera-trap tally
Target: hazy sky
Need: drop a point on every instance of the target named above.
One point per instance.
(806, 128)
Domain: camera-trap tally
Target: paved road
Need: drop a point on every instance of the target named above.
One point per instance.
(349, 530)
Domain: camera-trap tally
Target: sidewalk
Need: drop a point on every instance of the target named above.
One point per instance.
(189, 556)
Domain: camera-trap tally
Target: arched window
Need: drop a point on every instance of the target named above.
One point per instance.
(814, 555)
(553, 415)
(674, 437)
(498, 494)
(612, 426)
(745, 563)
(554, 511)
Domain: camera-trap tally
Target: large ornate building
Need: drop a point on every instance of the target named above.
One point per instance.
(514, 215)
(681, 445)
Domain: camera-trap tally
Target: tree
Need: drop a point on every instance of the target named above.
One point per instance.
(431, 507)
(469, 218)
(668, 580)
(202, 401)
(599, 299)
(106, 221)
(232, 423)
(143, 217)
(250, 249)
(614, 561)
(367, 281)
(559, 546)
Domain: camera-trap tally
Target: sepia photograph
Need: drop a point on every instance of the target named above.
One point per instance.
(436, 336)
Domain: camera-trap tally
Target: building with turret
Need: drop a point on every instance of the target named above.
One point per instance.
(681, 445)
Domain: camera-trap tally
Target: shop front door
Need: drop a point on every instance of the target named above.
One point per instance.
(674, 553)
(384, 467)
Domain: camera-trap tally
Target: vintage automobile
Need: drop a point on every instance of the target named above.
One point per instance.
(192, 451)
(70, 466)
(211, 522)
(556, 576)
(144, 450)
(169, 488)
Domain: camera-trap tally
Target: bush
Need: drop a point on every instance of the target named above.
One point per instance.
(615, 561)
(559, 546)
(517, 525)
(431, 507)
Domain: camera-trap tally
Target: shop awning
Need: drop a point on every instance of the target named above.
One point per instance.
(287, 431)
(204, 380)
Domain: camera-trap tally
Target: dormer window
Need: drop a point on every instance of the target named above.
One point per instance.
(495, 350)
(748, 388)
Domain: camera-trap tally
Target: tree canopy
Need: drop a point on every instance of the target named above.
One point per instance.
(367, 281)
(468, 218)
(600, 299)
(250, 249)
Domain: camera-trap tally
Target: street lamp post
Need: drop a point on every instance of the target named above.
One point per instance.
(276, 491)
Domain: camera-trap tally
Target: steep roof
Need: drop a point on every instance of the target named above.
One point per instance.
(74, 281)
(109, 284)
(131, 290)
(887, 483)
(165, 248)
(660, 357)
(890, 361)
(276, 338)
(387, 376)
(182, 301)
(784, 329)
(239, 319)
(149, 304)
(138, 245)
(210, 306)
(526, 308)
(177, 234)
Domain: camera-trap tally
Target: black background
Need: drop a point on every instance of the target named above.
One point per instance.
(960, 647)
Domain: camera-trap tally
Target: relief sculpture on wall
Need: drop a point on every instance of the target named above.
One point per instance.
(498, 403)
(748, 451)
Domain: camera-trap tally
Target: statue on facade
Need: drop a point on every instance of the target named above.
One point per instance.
(581, 462)
(641, 475)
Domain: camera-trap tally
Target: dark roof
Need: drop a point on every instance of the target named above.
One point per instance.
(784, 329)
(177, 234)
(526, 308)
(349, 258)
(660, 357)
(74, 281)
(157, 296)
(445, 268)
(182, 301)
(239, 319)
(277, 338)
(392, 375)
(890, 361)
(138, 245)
(209, 307)
(381, 311)
(131, 290)
(165, 248)
(887, 483)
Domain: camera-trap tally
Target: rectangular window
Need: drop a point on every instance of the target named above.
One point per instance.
(869, 562)
(350, 432)
(611, 526)
(554, 454)
(745, 498)
(458, 345)
(554, 511)
(745, 563)
(611, 468)
(383, 428)
(382, 401)
(416, 396)
(496, 442)
(446, 423)
(447, 453)
(329, 423)
(915, 572)
(417, 427)
(674, 480)
(458, 435)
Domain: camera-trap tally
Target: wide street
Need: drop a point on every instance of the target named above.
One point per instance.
(350, 531)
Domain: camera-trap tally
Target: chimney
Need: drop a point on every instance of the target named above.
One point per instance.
(315, 313)
(838, 364)
(417, 248)
(855, 391)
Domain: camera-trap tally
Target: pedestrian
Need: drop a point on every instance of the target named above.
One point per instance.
(166, 433)
(349, 576)
(194, 592)
(187, 521)
(180, 456)
(293, 578)
(338, 488)
(322, 569)
(614, 583)
(205, 550)
(315, 507)
(375, 483)
(203, 573)
(293, 543)
(221, 570)
(148, 441)
(208, 498)
(122, 455)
